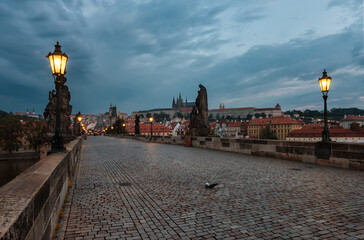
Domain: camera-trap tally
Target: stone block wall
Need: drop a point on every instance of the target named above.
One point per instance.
(342, 155)
(30, 203)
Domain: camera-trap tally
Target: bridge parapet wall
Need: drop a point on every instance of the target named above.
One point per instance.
(342, 155)
(30, 203)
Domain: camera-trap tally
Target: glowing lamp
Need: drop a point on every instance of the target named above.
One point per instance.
(57, 60)
(325, 82)
(151, 119)
(123, 124)
(79, 119)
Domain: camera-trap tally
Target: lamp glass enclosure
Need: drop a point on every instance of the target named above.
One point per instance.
(58, 61)
(151, 119)
(325, 82)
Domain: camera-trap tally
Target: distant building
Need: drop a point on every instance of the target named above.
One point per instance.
(347, 120)
(313, 133)
(157, 130)
(279, 126)
(231, 112)
(29, 115)
(179, 103)
(270, 112)
(236, 113)
(178, 106)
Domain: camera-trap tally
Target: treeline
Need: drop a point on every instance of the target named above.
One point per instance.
(12, 131)
(333, 114)
(2, 114)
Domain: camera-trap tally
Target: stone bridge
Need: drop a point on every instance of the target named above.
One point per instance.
(128, 189)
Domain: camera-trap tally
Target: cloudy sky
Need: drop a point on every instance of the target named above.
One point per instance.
(139, 54)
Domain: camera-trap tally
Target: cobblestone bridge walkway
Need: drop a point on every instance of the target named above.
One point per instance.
(126, 189)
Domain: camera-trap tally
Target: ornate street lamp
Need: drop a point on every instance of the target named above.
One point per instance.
(79, 119)
(58, 62)
(151, 126)
(325, 82)
(123, 129)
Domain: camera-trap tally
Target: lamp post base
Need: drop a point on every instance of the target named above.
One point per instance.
(57, 144)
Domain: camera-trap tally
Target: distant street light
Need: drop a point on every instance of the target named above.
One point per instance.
(79, 119)
(151, 126)
(58, 62)
(325, 82)
(123, 129)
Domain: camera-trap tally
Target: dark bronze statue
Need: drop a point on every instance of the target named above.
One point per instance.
(137, 121)
(66, 110)
(199, 125)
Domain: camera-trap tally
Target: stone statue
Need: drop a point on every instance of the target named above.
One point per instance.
(137, 121)
(66, 110)
(199, 125)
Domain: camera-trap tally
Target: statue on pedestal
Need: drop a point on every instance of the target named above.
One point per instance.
(137, 128)
(199, 125)
(66, 110)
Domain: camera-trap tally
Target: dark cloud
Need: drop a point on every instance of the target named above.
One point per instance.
(139, 54)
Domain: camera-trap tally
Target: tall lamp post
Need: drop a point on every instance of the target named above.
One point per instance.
(151, 126)
(325, 82)
(123, 129)
(58, 62)
(79, 119)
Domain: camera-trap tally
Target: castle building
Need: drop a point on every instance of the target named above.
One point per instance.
(179, 103)
(244, 112)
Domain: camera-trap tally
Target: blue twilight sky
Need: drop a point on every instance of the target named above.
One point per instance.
(139, 54)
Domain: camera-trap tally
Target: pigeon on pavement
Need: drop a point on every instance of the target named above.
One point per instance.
(210, 185)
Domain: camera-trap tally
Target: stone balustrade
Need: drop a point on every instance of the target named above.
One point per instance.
(342, 155)
(30, 203)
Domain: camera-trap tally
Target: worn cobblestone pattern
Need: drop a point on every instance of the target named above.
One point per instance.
(127, 189)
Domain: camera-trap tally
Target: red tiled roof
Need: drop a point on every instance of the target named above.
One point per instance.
(353, 118)
(275, 120)
(146, 128)
(265, 109)
(212, 110)
(234, 124)
(186, 109)
(316, 131)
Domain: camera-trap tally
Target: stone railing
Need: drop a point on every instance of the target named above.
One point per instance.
(30, 203)
(342, 155)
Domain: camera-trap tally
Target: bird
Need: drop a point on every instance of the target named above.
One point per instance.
(210, 185)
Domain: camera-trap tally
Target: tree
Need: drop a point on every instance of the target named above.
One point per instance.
(266, 133)
(2, 114)
(149, 115)
(34, 133)
(249, 117)
(178, 115)
(217, 116)
(211, 117)
(228, 117)
(263, 115)
(257, 115)
(10, 133)
(141, 115)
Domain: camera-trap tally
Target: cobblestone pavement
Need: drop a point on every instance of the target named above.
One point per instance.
(127, 189)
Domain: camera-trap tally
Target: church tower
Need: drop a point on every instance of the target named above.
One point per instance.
(173, 104)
